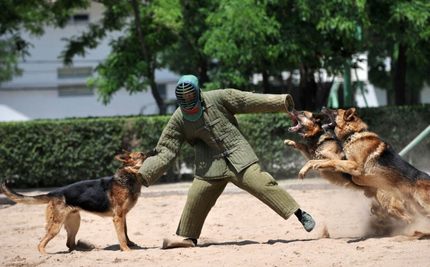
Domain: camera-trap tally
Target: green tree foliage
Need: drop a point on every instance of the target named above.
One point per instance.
(243, 38)
(268, 37)
(9, 55)
(186, 55)
(226, 42)
(147, 29)
(398, 42)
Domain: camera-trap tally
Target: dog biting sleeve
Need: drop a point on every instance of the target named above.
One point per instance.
(167, 148)
(238, 101)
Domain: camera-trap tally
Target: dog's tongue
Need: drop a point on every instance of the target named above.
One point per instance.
(295, 128)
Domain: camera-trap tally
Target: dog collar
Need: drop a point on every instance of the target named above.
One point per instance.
(351, 135)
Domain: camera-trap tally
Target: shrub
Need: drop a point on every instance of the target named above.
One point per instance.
(57, 152)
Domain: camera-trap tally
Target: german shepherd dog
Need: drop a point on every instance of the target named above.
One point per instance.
(373, 163)
(109, 196)
(320, 144)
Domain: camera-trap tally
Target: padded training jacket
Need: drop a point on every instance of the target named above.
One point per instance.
(216, 137)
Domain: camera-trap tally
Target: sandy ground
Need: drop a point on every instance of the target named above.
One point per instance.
(239, 231)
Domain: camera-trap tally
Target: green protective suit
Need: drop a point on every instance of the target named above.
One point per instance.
(222, 155)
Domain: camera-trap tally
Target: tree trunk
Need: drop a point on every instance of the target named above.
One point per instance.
(203, 71)
(322, 94)
(399, 79)
(266, 83)
(156, 94)
(307, 89)
(150, 60)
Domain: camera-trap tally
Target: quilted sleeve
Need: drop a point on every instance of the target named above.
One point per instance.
(246, 102)
(167, 148)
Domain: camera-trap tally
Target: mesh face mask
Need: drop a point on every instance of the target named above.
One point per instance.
(188, 97)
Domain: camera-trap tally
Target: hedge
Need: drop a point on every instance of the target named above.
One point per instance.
(45, 153)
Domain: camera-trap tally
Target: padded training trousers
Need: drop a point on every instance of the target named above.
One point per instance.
(203, 194)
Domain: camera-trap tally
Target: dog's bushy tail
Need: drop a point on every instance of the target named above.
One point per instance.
(19, 198)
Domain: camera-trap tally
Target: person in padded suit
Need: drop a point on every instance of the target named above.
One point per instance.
(222, 154)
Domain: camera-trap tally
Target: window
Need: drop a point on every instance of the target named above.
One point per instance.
(80, 18)
(74, 90)
(74, 72)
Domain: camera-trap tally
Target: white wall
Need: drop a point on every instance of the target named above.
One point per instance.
(37, 104)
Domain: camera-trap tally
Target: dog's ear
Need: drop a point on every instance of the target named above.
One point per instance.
(350, 114)
(319, 117)
(316, 118)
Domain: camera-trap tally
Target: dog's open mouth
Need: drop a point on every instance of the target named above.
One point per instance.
(331, 124)
(295, 122)
(297, 127)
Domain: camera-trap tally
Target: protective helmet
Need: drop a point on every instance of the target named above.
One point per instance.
(188, 97)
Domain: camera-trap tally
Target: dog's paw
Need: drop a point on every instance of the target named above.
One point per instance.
(304, 170)
(289, 142)
(302, 173)
(125, 248)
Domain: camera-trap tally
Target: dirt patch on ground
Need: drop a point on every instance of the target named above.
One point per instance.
(239, 231)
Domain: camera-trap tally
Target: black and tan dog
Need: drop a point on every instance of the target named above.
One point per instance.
(320, 144)
(373, 163)
(111, 196)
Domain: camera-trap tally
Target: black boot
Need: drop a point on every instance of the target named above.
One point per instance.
(305, 219)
